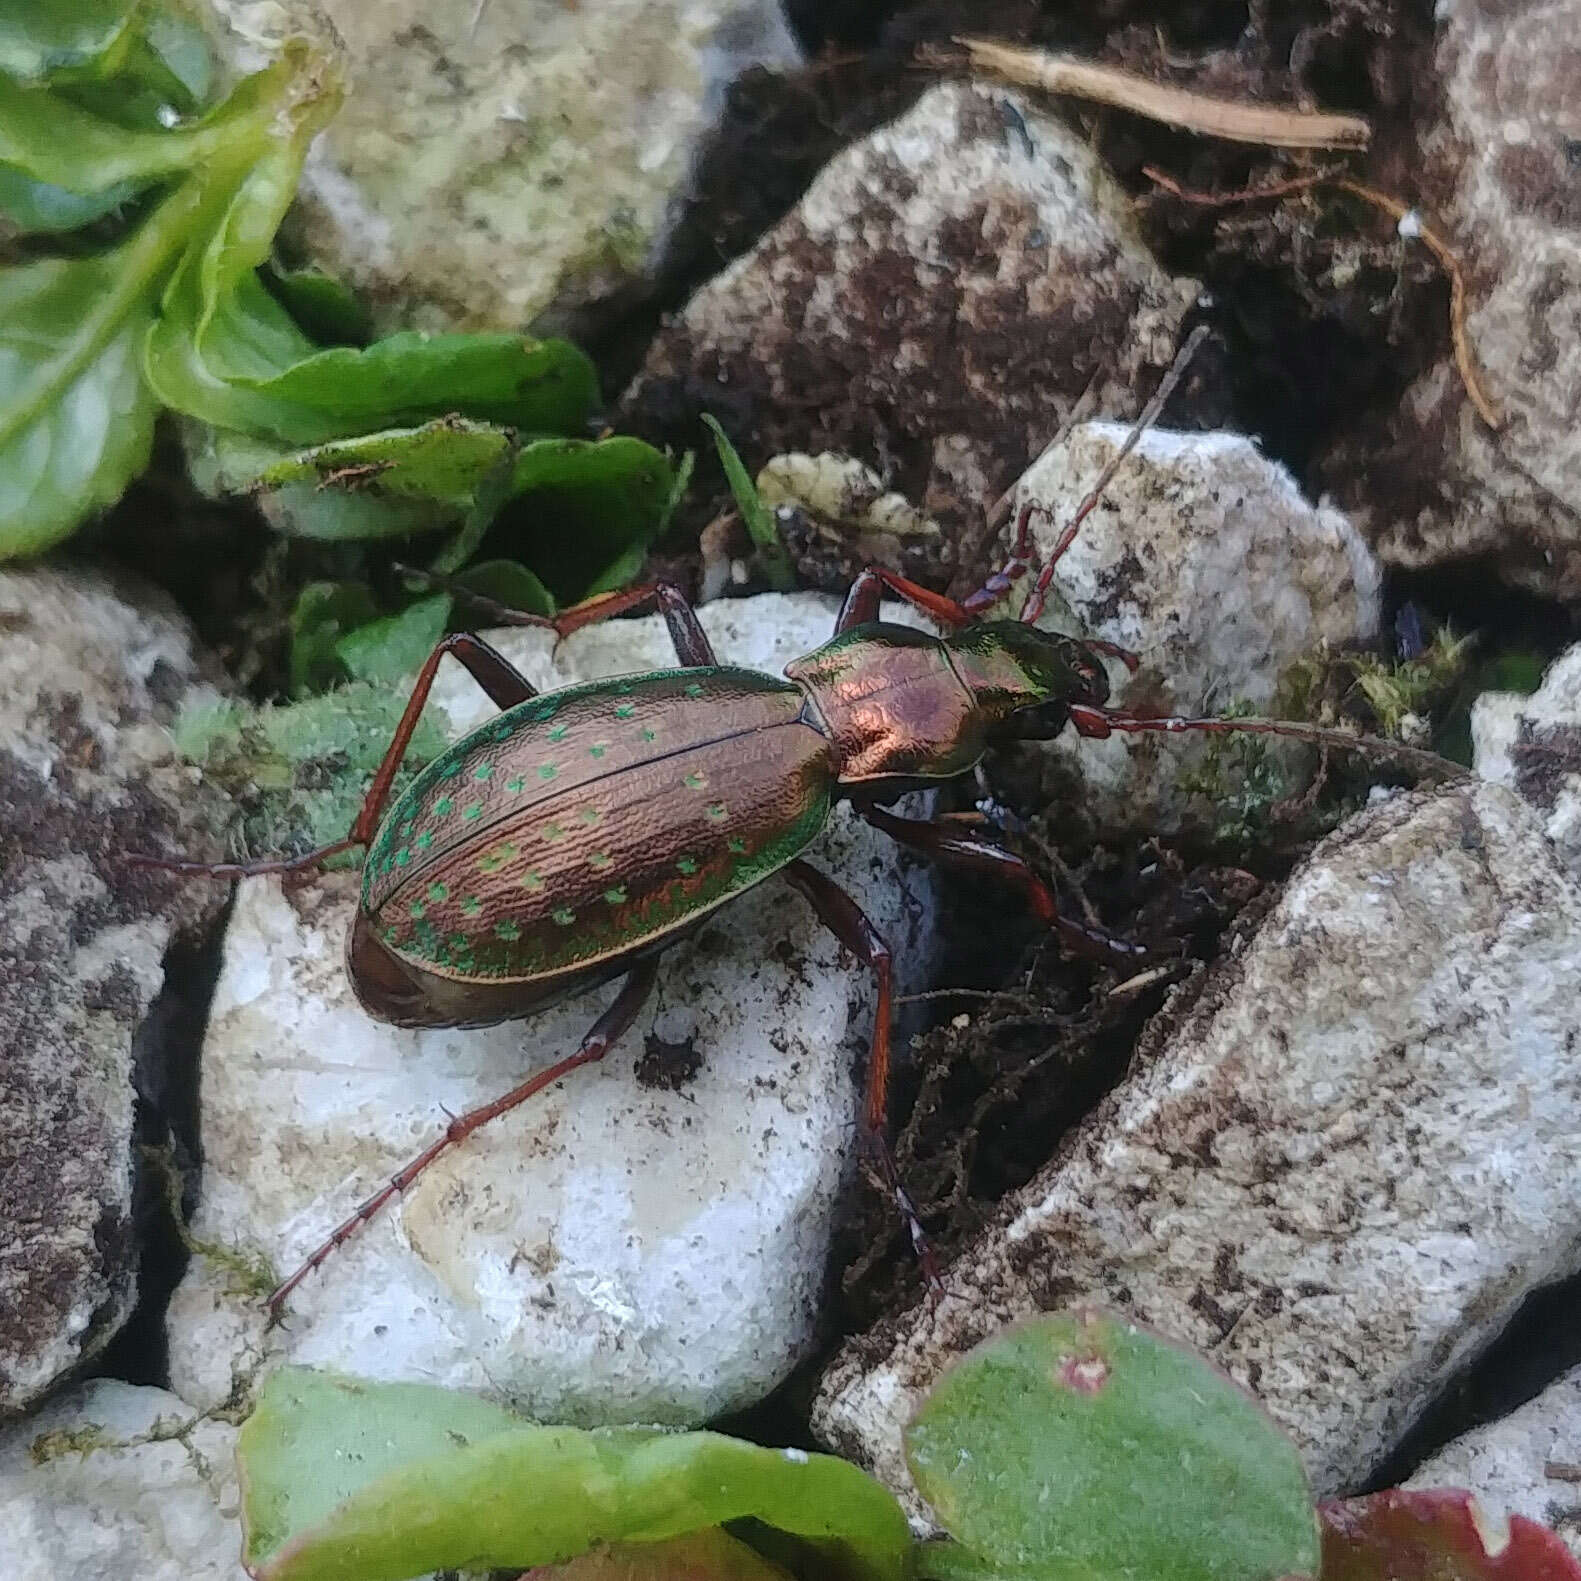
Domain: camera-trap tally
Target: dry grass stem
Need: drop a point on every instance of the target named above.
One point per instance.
(1398, 212)
(1208, 116)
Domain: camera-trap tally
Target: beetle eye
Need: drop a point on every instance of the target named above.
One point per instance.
(1041, 722)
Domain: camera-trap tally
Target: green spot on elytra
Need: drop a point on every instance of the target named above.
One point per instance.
(532, 881)
(493, 861)
(391, 934)
(737, 845)
(563, 915)
(472, 812)
(471, 906)
(616, 896)
(507, 930)
(424, 840)
(418, 910)
(589, 816)
(625, 710)
(553, 832)
(694, 690)
(403, 857)
(442, 807)
(457, 941)
(514, 786)
(483, 771)
(407, 827)
(648, 735)
(438, 892)
(450, 770)
(695, 780)
(559, 733)
(686, 867)
(600, 861)
(502, 731)
(598, 749)
(547, 771)
(718, 812)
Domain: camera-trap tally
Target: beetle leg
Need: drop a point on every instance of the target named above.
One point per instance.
(843, 918)
(861, 603)
(603, 1034)
(506, 687)
(974, 854)
(692, 646)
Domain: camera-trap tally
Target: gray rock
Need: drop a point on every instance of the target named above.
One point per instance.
(1497, 176)
(1341, 1159)
(1533, 745)
(90, 672)
(508, 163)
(1204, 559)
(112, 1480)
(609, 1251)
(1524, 1464)
(934, 306)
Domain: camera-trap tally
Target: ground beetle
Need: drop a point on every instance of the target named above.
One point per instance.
(574, 837)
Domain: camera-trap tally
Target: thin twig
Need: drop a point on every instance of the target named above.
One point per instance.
(1209, 116)
(1398, 212)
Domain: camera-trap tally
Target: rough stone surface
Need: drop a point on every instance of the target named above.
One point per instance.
(934, 306)
(1533, 745)
(162, 1510)
(1498, 176)
(611, 1250)
(1341, 1160)
(1510, 1464)
(1204, 559)
(90, 672)
(509, 164)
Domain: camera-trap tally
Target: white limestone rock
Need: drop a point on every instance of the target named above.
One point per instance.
(1523, 1464)
(92, 671)
(1204, 559)
(1533, 745)
(503, 164)
(609, 1251)
(1341, 1160)
(112, 1480)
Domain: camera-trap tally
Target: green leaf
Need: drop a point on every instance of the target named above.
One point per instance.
(699, 1556)
(583, 508)
(386, 652)
(758, 517)
(325, 612)
(1441, 1534)
(375, 1482)
(506, 582)
(324, 306)
(76, 422)
(40, 207)
(43, 38)
(444, 461)
(1080, 1446)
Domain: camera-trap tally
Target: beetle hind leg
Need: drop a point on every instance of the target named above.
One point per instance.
(843, 918)
(601, 1037)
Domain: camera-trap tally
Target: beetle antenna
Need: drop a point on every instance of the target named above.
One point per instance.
(1166, 388)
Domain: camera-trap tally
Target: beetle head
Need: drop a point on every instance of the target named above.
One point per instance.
(1025, 679)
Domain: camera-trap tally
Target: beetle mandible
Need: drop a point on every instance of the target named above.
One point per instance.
(571, 839)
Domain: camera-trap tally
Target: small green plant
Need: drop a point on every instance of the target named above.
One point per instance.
(1072, 1447)
(758, 518)
(138, 212)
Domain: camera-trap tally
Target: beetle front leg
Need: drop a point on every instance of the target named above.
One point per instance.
(601, 1037)
(973, 854)
(843, 918)
(506, 687)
